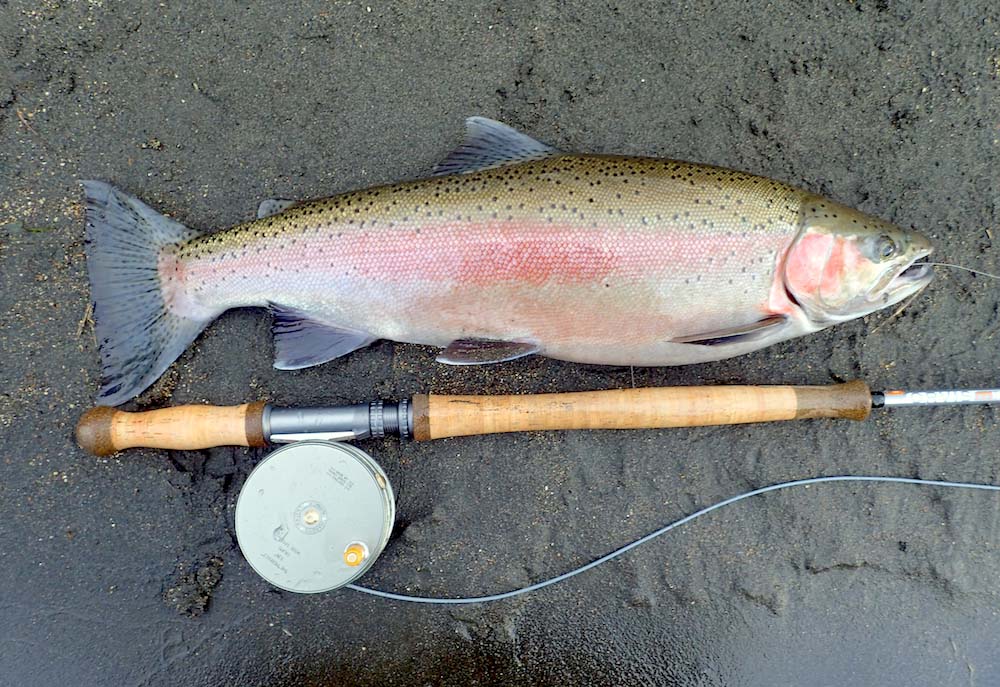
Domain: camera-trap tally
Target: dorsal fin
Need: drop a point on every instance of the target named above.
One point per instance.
(489, 144)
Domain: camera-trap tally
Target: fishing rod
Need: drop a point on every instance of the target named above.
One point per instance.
(103, 430)
(314, 515)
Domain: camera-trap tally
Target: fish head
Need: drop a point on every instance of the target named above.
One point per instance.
(844, 264)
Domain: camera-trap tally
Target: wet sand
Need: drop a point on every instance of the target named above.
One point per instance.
(125, 571)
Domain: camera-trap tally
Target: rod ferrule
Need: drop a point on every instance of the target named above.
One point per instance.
(375, 419)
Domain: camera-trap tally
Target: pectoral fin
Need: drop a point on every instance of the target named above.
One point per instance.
(484, 351)
(750, 332)
(300, 341)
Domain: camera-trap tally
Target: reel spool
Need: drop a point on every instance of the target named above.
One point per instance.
(314, 515)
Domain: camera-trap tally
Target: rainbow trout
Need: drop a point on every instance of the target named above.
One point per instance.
(511, 248)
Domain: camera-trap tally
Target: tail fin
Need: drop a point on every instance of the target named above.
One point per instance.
(137, 335)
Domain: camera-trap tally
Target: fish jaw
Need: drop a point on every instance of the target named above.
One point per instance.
(910, 281)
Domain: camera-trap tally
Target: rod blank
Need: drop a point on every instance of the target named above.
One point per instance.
(944, 397)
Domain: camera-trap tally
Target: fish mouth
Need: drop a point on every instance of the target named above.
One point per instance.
(911, 279)
(916, 272)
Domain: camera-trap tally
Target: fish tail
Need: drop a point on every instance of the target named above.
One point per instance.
(138, 335)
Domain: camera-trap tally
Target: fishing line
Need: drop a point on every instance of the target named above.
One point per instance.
(967, 269)
(663, 530)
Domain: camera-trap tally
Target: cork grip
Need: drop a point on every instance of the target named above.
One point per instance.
(103, 431)
(435, 417)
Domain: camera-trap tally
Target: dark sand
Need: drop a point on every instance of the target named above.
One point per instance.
(125, 571)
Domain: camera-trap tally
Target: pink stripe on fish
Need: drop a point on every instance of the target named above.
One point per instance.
(339, 262)
(481, 253)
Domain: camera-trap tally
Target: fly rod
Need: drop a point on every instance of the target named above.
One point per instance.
(103, 430)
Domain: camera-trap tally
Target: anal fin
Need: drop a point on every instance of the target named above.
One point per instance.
(301, 341)
(741, 334)
(484, 351)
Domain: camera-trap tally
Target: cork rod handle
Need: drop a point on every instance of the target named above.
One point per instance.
(103, 431)
(435, 417)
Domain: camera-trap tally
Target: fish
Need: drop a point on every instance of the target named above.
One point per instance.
(509, 248)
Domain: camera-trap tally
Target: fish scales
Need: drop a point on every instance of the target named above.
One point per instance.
(569, 250)
(511, 248)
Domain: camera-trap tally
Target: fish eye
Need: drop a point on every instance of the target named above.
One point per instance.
(885, 248)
